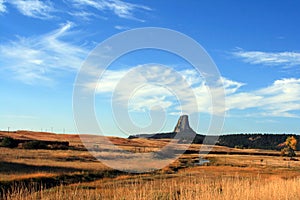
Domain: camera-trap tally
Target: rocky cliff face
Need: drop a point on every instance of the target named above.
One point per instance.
(182, 131)
(183, 126)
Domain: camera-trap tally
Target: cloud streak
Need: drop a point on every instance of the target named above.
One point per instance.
(2, 7)
(41, 58)
(287, 59)
(120, 8)
(34, 8)
(77, 8)
(118, 27)
(280, 99)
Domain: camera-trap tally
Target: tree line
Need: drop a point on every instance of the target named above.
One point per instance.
(243, 140)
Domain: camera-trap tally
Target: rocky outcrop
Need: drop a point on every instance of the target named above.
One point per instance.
(184, 132)
(183, 125)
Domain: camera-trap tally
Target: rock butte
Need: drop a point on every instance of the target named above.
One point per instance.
(183, 126)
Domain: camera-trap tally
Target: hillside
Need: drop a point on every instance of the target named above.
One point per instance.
(248, 141)
(185, 134)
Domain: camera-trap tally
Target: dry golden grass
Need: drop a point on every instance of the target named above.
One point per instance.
(75, 140)
(270, 162)
(11, 177)
(196, 183)
(18, 164)
(225, 177)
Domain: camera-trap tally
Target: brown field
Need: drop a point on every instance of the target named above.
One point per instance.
(77, 174)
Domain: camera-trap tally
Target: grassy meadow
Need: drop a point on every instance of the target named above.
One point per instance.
(77, 174)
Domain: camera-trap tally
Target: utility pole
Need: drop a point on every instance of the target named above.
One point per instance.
(8, 129)
(51, 129)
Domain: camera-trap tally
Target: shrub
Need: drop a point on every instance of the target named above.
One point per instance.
(290, 147)
(239, 147)
(9, 142)
(34, 145)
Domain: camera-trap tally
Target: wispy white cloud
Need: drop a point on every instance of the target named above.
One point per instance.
(121, 27)
(285, 59)
(34, 8)
(146, 88)
(39, 58)
(280, 99)
(120, 8)
(2, 7)
(181, 92)
(80, 9)
(84, 15)
(230, 86)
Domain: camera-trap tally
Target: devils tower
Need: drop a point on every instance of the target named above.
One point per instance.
(182, 129)
(184, 132)
(183, 125)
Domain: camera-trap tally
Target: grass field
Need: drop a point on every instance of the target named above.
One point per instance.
(205, 182)
(77, 174)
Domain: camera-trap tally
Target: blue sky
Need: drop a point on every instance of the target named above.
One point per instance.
(255, 45)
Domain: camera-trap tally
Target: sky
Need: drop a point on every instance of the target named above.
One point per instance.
(254, 44)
